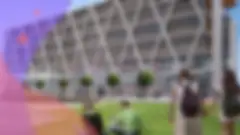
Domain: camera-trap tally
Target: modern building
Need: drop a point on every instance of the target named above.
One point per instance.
(126, 36)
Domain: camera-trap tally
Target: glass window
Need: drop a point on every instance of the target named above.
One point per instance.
(130, 15)
(182, 40)
(145, 29)
(130, 61)
(201, 60)
(88, 37)
(146, 45)
(117, 33)
(183, 23)
(145, 13)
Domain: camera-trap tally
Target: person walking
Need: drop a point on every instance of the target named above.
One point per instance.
(229, 99)
(186, 106)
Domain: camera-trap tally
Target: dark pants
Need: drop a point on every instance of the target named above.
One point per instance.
(124, 133)
(119, 131)
(94, 119)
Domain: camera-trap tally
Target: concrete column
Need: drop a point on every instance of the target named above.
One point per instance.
(233, 46)
(217, 12)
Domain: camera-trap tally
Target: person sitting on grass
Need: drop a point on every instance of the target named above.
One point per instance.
(93, 119)
(127, 122)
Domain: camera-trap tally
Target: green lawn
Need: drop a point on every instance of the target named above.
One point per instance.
(155, 117)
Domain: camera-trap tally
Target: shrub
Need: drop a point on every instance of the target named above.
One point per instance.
(40, 84)
(86, 81)
(113, 79)
(145, 78)
(63, 83)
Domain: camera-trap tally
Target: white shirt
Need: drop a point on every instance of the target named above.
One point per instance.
(178, 89)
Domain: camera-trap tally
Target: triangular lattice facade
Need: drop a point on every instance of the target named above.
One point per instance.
(125, 36)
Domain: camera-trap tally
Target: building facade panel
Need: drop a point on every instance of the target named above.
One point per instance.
(154, 32)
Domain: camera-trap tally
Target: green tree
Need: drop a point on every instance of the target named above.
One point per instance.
(63, 84)
(40, 84)
(145, 79)
(86, 81)
(113, 80)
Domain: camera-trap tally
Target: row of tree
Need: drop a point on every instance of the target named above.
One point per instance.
(144, 79)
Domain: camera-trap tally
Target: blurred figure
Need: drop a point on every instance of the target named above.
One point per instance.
(230, 102)
(186, 106)
(93, 119)
(185, 1)
(127, 122)
(101, 92)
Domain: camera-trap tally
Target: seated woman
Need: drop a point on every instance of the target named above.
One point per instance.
(127, 122)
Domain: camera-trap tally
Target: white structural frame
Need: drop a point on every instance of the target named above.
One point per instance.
(162, 22)
(79, 46)
(200, 30)
(129, 28)
(103, 42)
(58, 41)
(217, 14)
(233, 47)
(217, 25)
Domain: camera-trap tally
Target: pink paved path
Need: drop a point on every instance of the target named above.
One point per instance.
(21, 116)
(14, 119)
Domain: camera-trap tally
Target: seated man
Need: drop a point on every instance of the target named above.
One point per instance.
(94, 119)
(127, 122)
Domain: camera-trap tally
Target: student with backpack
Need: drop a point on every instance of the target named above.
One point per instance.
(186, 106)
(230, 102)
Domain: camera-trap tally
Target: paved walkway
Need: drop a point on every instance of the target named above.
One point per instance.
(54, 119)
(40, 118)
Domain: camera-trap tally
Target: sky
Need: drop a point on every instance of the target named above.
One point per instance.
(16, 15)
(80, 3)
(235, 14)
(20, 16)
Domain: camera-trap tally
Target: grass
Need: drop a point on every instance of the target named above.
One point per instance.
(155, 116)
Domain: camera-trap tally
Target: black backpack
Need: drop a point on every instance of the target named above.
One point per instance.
(190, 105)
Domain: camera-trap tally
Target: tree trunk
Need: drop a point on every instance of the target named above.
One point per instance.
(142, 92)
(81, 94)
(90, 98)
(111, 91)
(101, 92)
(62, 94)
(116, 91)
